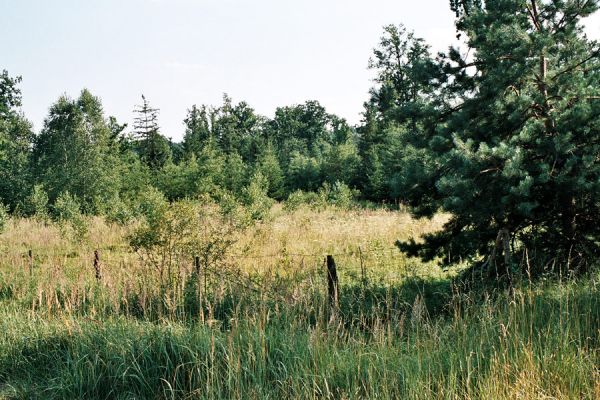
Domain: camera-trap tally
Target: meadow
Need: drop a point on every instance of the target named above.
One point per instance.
(253, 319)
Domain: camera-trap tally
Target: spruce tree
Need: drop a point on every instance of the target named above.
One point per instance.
(153, 148)
(198, 130)
(268, 166)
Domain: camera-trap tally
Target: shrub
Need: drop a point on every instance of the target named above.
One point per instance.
(36, 204)
(299, 198)
(172, 235)
(339, 194)
(151, 203)
(3, 217)
(255, 197)
(118, 212)
(67, 212)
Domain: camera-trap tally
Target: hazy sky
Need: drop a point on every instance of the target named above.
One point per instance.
(182, 52)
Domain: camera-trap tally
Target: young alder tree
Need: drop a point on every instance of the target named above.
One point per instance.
(16, 136)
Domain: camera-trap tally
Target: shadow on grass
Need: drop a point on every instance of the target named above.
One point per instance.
(125, 358)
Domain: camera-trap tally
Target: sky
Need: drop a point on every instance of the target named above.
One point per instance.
(178, 53)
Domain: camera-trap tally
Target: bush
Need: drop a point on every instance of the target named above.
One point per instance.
(3, 217)
(118, 212)
(36, 204)
(339, 194)
(67, 212)
(299, 198)
(255, 197)
(149, 204)
(171, 236)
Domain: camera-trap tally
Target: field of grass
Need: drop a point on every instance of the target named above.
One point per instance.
(259, 325)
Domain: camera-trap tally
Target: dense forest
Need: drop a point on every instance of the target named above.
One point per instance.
(502, 134)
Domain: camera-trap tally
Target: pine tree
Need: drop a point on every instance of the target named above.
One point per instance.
(407, 81)
(513, 155)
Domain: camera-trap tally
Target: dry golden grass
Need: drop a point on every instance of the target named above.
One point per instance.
(305, 236)
(287, 243)
(303, 233)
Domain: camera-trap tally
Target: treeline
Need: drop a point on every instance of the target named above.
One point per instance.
(100, 162)
(503, 134)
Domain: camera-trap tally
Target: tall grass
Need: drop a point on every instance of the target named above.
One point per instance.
(398, 335)
(536, 343)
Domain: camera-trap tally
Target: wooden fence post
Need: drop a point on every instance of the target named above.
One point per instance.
(30, 254)
(332, 282)
(97, 265)
(197, 265)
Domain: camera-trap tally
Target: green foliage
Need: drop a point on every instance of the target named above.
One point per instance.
(75, 154)
(405, 75)
(234, 173)
(154, 149)
(36, 204)
(502, 137)
(301, 128)
(340, 163)
(299, 198)
(15, 141)
(151, 205)
(303, 173)
(197, 131)
(67, 212)
(3, 217)
(235, 127)
(268, 167)
(173, 234)
(338, 194)
(255, 197)
(513, 146)
(118, 212)
(178, 181)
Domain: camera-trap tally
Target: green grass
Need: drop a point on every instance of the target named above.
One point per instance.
(65, 336)
(534, 343)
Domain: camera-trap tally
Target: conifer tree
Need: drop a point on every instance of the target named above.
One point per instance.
(153, 147)
(407, 81)
(198, 130)
(513, 153)
(268, 166)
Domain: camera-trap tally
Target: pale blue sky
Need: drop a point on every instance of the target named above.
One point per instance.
(182, 52)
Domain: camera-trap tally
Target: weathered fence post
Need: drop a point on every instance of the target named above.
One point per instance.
(332, 282)
(30, 254)
(197, 265)
(97, 265)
